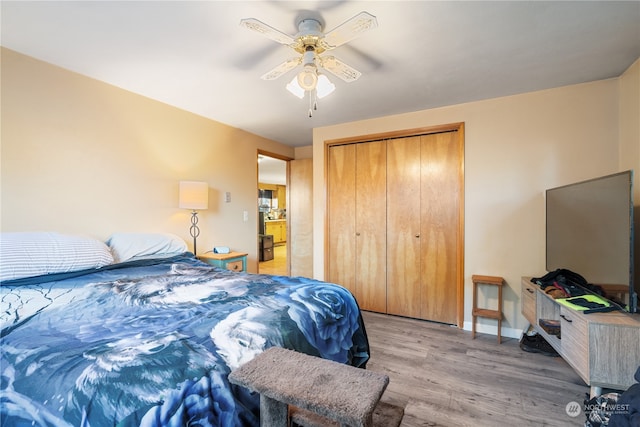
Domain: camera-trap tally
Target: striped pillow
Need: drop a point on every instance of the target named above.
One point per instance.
(29, 254)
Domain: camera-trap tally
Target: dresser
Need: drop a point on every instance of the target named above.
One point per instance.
(603, 348)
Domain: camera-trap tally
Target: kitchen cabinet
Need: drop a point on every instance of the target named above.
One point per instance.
(278, 229)
(281, 192)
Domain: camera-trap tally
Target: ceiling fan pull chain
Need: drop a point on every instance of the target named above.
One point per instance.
(313, 102)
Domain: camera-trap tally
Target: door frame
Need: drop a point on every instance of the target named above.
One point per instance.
(287, 159)
(458, 127)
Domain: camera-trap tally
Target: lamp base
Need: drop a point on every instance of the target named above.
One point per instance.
(194, 231)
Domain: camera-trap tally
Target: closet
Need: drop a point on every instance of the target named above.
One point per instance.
(394, 228)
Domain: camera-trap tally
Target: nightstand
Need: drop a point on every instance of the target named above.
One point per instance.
(234, 261)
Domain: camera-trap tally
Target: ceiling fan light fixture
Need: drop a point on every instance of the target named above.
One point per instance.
(295, 88)
(308, 77)
(310, 43)
(324, 86)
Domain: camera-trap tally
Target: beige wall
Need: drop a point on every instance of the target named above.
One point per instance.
(515, 148)
(305, 152)
(630, 145)
(630, 124)
(81, 156)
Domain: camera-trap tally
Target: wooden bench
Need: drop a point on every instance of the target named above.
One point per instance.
(337, 392)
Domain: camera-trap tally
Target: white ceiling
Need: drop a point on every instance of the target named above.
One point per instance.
(272, 171)
(424, 54)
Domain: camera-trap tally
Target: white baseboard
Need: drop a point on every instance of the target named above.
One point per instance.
(493, 330)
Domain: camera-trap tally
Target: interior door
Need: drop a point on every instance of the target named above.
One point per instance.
(371, 218)
(403, 227)
(441, 197)
(341, 206)
(300, 214)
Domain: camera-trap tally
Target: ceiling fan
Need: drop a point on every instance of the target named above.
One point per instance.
(310, 43)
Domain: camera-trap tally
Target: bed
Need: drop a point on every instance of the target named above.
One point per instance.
(150, 338)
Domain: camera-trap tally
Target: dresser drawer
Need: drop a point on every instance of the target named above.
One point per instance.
(234, 261)
(575, 341)
(234, 265)
(528, 300)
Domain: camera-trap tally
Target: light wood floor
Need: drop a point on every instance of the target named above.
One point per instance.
(278, 265)
(442, 377)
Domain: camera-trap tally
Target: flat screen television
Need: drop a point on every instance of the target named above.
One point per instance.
(590, 232)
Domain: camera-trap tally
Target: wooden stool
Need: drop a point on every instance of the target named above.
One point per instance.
(485, 312)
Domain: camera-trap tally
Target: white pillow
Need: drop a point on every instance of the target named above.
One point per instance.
(29, 254)
(125, 246)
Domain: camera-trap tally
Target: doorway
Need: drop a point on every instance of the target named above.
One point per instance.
(272, 215)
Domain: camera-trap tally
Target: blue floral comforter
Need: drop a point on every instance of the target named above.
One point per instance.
(151, 344)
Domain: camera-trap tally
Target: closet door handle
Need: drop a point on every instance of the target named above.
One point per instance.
(417, 236)
(357, 234)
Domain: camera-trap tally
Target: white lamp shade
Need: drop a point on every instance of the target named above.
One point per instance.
(295, 88)
(325, 87)
(194, 195)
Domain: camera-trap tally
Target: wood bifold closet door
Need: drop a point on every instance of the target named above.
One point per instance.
(423, 211)
(357, 205)
(393, 227)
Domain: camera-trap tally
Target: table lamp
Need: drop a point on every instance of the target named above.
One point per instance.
(194, 195)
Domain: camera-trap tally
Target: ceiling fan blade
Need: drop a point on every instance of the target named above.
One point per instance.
(267, 31)
(349, 30)
(340, 69)
(281, 69)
